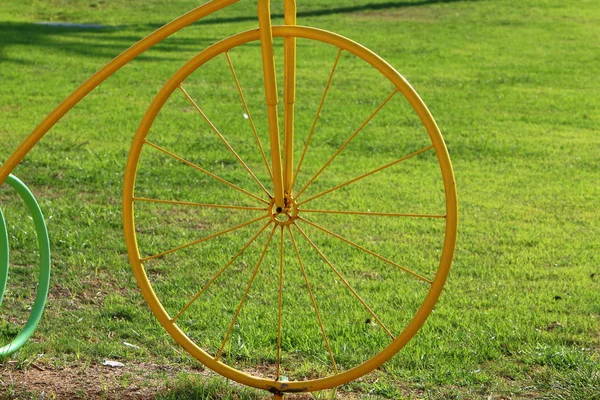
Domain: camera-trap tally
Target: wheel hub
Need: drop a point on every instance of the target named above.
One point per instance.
(283, 216)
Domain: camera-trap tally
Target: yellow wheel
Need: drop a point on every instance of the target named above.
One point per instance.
(318, 293)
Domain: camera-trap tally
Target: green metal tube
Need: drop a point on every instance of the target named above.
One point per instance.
(3, 256)
(44, 274)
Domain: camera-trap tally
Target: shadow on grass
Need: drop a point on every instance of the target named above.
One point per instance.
(102, 41)
(84, 40)
(388, 5)
(322, 12)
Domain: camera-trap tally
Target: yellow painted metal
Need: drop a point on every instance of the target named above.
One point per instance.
(270, 82)
(289, 98)
(343, 146)
(157, 36)
(364, 175)
(229, 147)
(170, 154)
(451, 215)
(247, 110)
(281, 180)
(240, 305)
(280, 309)
(314, 124)
(282, 175)
(313, 301)
(351, 243)
(345, 282)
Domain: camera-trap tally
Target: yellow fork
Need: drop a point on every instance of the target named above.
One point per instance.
(282, 175)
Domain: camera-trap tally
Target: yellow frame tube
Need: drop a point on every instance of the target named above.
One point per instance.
(270, 78)
(289, 98)
(157, 36)
(282, 177)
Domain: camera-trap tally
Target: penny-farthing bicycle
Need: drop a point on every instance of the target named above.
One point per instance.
(286, 252)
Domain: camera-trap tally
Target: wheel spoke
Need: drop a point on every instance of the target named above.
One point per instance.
(239, 308)
(204, 171)
(187, 203)
(367, 174)
(345, 282)
(216, 131)
(313, 301)
(366, 250)
(280, 312)
(360, 128)
(373, 214)
(245, 104)
(314, 124)
(164, 253)
(214, 278)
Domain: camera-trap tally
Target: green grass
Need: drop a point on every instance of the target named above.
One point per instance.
(188, 387)
(513, 86)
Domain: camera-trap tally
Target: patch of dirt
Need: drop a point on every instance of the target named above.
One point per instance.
(140, 381)
(92, 292)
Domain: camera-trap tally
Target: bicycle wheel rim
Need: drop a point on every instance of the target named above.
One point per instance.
(450, 201)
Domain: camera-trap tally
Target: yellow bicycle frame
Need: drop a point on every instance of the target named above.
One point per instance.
(281, 163)
(282, 179)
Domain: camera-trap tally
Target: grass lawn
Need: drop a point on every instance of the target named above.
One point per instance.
(513, 86)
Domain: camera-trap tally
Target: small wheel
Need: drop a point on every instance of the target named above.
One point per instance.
(44, 266)
(324, 290)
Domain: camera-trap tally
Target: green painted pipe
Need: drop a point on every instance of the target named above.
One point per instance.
(44, 275)
(3, 255)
